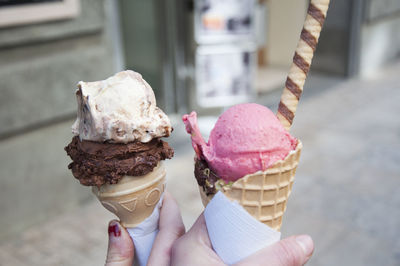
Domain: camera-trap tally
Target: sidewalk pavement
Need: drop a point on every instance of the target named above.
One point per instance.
(346, 193)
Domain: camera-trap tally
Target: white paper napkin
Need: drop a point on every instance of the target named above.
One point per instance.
(233, 232)
(144, 234)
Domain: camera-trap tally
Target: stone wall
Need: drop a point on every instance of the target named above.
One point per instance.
(40, 65)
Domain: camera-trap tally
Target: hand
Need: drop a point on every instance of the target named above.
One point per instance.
(120, 245)
(173, 247)
(194, 248)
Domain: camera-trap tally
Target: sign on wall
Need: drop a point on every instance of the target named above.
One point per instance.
(224, 74)
(223, 20)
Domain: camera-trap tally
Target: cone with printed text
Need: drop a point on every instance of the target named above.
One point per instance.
(133, 198)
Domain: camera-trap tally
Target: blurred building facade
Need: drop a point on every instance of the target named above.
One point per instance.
(359, 37)
(40, 63)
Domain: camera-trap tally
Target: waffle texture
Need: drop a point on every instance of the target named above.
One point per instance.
(264, 194)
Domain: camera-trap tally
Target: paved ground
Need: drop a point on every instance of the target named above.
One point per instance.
(346, 193)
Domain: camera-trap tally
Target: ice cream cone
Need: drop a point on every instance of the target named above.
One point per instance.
(133, 198)
(264, 194)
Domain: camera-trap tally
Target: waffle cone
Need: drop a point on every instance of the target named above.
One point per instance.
(264, 194)
(133, 198)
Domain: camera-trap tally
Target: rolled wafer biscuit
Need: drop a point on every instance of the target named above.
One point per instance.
(302, 61)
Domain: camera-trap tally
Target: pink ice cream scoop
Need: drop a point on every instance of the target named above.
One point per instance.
(246, 138)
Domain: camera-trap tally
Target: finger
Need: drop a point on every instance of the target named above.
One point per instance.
(120, 246)
(171, 228)
(194, 248)
(292, 251)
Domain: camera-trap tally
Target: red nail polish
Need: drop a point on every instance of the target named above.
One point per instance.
(114, 228)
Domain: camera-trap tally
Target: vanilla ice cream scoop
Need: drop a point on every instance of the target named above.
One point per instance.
(119, 109)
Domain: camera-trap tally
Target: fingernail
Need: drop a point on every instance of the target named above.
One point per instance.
(306, 244)
(114, 229)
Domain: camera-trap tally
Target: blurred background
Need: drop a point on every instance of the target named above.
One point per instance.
(202, 55)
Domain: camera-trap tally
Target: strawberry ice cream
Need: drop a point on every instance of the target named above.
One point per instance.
(247, 138)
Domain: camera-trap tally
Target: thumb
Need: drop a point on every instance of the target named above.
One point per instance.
(292, 251)
(120, 246)
(171, 228)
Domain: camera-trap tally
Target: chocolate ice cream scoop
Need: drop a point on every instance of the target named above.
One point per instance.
(205, 177)
(96, 163)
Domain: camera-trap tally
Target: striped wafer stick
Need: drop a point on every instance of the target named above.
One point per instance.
(302, 61)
